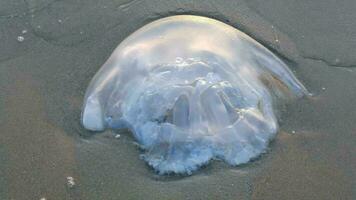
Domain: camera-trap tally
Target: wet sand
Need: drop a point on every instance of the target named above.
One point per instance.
(44, 77)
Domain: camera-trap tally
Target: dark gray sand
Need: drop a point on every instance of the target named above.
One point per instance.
(44, 77)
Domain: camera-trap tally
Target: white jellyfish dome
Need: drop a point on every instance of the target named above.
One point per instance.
(190, 89)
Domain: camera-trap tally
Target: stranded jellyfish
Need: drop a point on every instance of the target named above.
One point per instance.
(191, 89)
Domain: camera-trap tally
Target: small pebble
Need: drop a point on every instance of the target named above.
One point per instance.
(20, 38)
(42, 198)
(323, 88)
(117, 136)
(136, 144)
(24, 31)
(293, 132)
(59, 21)
(70, 182)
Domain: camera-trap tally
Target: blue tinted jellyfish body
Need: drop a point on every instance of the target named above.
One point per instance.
(191, 89)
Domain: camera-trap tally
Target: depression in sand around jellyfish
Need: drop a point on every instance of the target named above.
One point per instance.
(190, 89)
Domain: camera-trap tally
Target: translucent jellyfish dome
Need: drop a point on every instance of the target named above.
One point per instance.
(190, 89)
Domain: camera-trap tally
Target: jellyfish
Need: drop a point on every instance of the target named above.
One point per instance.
(191, 89)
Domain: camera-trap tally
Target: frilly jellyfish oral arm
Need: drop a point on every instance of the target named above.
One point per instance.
(191, 89)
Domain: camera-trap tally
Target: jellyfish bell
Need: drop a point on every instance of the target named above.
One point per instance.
(190, 89)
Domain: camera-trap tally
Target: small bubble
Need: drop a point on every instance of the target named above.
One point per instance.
(38, 26)
(70, 182)
(20, 38)
(179, 59)
(293, 132)
(117, 136)
(24, 31)
(323, 88)
(59, 21)
(43, 198)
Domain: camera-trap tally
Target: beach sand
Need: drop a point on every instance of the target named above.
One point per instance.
(50, 50)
